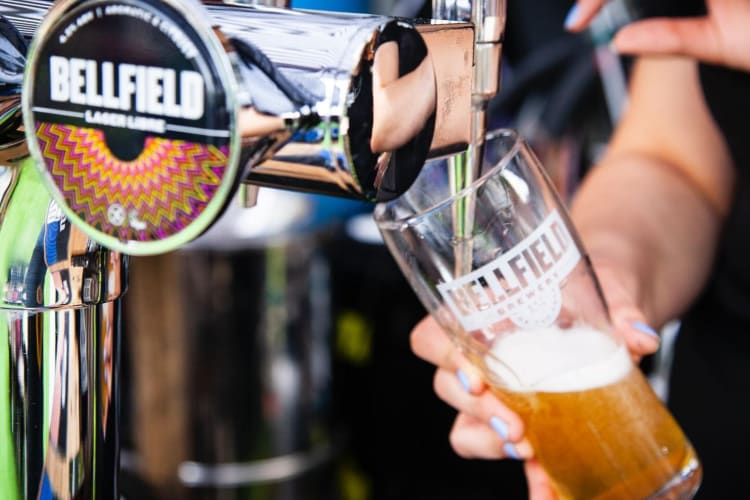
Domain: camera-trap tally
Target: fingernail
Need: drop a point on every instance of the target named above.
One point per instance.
(643, 327)
(464, 379)
(572, 16)
(510, 451)
(500, 427)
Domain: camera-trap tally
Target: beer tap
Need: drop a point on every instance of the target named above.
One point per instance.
(340, 104)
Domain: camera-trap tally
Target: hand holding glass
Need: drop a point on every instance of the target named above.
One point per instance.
(499, 265)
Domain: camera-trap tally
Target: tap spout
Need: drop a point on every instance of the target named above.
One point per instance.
(488, 17)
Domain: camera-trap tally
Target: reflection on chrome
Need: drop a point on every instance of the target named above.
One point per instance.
(354, 104)
(59, 309)
(353, 113)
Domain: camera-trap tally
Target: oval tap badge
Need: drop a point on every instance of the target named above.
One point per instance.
(129, 115)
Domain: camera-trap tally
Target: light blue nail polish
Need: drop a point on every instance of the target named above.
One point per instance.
(464, 379)
(572, 16)
(499, 426)
(510, 451)
(643, 327)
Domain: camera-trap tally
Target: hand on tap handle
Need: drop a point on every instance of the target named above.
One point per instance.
(717, 38)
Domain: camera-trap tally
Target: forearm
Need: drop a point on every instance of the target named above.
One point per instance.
(652, 210)
(639, 217)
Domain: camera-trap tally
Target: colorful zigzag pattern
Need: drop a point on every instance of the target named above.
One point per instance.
(165, 189)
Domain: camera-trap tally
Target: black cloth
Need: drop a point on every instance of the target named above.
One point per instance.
(711, 369)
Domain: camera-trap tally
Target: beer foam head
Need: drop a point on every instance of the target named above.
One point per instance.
(558, 360)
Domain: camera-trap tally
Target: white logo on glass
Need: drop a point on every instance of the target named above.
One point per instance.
(523, 284)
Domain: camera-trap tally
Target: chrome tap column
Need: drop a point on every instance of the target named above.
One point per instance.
(59, 318)
(59, 311)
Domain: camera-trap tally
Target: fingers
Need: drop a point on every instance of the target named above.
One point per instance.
(430, 342)
(484, 407)
(627, 318)
(695, 37)
(485, 428)
(581, 14)
(473, 438)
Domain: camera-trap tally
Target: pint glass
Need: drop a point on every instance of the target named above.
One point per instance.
(499, 265)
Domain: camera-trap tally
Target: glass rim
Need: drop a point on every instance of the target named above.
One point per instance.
(409, 220)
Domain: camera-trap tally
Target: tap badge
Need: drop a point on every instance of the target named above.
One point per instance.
(133, 125)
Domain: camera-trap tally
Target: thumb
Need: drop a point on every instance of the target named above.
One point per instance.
(627, 318)
(694, 37)
(639, 336)
(540, 487)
